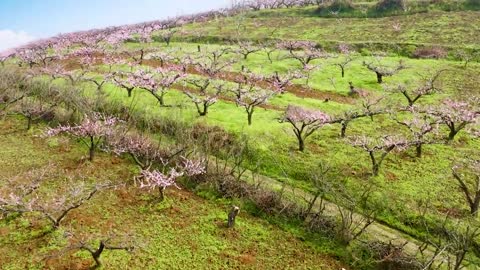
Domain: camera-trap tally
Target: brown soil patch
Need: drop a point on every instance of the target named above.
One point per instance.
(298, 90)
(247, 259)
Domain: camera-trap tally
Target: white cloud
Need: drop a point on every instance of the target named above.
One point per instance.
(10, 39)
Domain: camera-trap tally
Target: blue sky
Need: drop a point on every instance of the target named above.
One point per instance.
(24, 20)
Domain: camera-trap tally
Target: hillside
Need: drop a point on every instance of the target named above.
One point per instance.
(401, 34)
(184, 231)
(348, 139)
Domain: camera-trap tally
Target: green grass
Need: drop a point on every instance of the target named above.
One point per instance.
(451, 30)
(185, 231)
(404, 180)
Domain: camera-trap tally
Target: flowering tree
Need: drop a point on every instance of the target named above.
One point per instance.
(14, 194)
(111, 59)
(303, 51)
(252, 99)
(164, 57)
(35, 55)
(124, 81)
(369, 108)
(4, 56)
(167, 35)
(248, 95)
(92, 131)
(346, 59)
(157, 82)
(378, 149)
(428, 87)
(382, 70)
(141, 34)
(343, 63)
(269, 49)
(13, 88)
(152, 180)
(456, 115)
(281, 82)
(141, 148)
(29, 198)
(420, 125)
(304, 122)
(99, 80)
(213, 62)
(86, 56)
(207, 95)
(35, 108)
(467, 176)
(96, 252)
(245, 48)
(59, 71)
(57, 208)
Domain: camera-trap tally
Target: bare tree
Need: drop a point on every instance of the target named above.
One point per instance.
(382, 70)
(369, 108)
(95, 245)
(467, 176)
(351, 225)
(245, 48)
(379, 148)
(420, 126)
(427, 87)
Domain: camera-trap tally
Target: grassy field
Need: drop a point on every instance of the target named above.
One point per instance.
(452, 30)
(184, 231)
(404, 182)
(188, 230)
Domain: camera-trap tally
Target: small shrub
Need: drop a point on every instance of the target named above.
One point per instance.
(409, 50)
(473, 4)
(391, 5)
(391, 256)
(336, 7)
(430, 52)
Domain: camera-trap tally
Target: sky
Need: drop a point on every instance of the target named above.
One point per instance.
(22, 21)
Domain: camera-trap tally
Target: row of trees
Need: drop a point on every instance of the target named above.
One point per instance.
(159, 170)
(206, 89)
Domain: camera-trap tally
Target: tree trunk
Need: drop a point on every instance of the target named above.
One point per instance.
(199, 49)
(232, 216)
(129, 91)
(375, 164)
(452, 134)
(161, 194)
(379, 78)
(301, 144)
(311, 204)
(29, 122)
(418, 149)
(474, 209)
(97, 253)
(343, 131)
(203, 110)
(458, 260)
(375, 169)
(91, 152)
(249, 115)
(343, 71)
